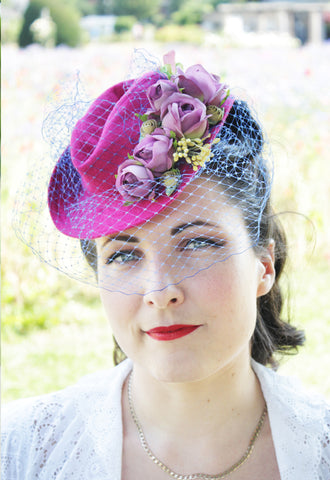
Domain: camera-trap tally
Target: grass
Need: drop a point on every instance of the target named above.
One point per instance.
(47, 360)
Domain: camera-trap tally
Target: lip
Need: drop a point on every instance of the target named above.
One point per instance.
(172, 332)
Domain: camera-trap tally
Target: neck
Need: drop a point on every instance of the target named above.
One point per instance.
(202, 408)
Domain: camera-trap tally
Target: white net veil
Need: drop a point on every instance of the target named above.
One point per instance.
(158, 179)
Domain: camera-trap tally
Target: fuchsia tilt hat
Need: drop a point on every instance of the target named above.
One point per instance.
(135, 150)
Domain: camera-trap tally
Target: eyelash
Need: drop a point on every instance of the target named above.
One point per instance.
(129, 255)
(203, 243)
(132, 256)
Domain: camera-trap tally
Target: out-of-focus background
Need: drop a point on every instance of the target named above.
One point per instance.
(275, 54)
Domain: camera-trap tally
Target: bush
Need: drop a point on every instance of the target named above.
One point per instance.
(178, 33)
(124, 23)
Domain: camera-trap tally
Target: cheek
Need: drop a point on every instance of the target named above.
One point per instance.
(212, 286)
(227, 295)
(119, 309)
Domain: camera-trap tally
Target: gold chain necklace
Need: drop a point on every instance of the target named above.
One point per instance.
(193, 476)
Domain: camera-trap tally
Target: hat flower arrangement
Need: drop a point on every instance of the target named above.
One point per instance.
(184, 106)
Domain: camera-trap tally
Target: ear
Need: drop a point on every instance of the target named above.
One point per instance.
(267, 269)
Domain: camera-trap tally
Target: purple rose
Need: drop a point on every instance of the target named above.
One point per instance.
(185, 116)
(199, 83)
(134, 181)
(155, 151)
(158, 92)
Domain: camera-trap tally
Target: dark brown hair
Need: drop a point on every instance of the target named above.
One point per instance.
(241, 140)
(274, 334)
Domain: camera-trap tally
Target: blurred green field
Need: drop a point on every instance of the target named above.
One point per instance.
(53, 329)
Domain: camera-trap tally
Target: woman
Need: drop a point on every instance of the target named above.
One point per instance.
(166, 186)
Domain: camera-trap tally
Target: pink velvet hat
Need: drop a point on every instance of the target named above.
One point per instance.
(135, 150)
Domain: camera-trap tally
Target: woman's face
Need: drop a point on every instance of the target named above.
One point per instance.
(189, 330)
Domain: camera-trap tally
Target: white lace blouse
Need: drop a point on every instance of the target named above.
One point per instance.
(77, 433)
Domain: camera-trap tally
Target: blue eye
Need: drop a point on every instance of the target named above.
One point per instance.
(123, 257)
(202, 243)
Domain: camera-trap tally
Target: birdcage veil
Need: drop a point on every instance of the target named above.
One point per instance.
(165, 147)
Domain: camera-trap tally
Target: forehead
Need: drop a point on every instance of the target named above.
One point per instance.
(202, 200)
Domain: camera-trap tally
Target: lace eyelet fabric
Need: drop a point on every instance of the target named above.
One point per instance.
(77, 433)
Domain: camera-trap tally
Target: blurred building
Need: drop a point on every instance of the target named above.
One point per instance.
(98, 26)
(308, 22)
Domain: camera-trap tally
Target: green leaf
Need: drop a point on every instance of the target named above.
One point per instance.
(131, 157)
(167, 70)
(171, 179)
(223, 101)
(141, 117)
(172, 135)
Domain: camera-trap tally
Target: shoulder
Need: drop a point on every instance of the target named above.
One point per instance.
(300, 424)
(33, 427)
(89, 389)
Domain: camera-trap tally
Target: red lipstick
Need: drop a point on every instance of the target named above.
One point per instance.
(172, 332)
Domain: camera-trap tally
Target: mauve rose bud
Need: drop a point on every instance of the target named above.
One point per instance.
(135, 181)
(199, 83)
(158, 92)
(155, 151)
(185, 116)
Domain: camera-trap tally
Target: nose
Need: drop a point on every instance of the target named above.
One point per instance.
(162, 286)
(168, 297)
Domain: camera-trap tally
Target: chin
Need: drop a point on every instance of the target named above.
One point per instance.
(177, 369)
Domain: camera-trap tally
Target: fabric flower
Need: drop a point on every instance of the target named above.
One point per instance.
(169, 59)
(158, 92)
(135, 181)
(184, 115)
(155, 151)
(171, 180)
(148, 126)
(199, 83)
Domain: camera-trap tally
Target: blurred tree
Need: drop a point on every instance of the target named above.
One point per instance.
(31, 14)
(85, 7)
(191, 12)
(65, 16)
(103, 7)
(171, 6)
(141, 9)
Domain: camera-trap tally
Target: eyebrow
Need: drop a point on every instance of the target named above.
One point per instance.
(174, 231)
(121, 238)
(198, 223)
